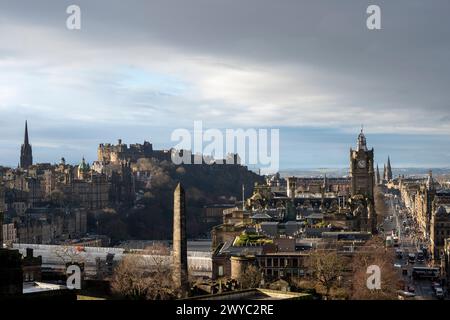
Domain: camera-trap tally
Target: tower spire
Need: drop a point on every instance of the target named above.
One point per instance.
(378, 175)
(26, 153)
(430, 181)
(362, 142)
(25, 141)
(389, 169)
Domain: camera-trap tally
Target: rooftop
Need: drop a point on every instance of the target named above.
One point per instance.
(33, 287)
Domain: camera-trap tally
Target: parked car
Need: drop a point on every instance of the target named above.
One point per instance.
(420, 256)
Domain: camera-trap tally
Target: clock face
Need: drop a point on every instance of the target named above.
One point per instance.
(362, 164)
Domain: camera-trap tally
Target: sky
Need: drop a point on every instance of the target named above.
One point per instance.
(139, 69)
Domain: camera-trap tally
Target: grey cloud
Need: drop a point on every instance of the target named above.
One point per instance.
(394, 78)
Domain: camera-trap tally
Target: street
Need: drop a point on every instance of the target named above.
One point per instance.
(402, 226)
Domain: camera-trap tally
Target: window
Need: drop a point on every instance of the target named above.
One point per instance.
(220, 271)
(275, 262)
(269, 262)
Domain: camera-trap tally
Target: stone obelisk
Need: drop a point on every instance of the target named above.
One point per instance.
(180, 267)
(2, 209)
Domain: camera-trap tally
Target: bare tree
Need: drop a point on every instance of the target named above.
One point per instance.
(69, 254)
(250, 278)
(374, 253)
(145, 276)
(327, 268)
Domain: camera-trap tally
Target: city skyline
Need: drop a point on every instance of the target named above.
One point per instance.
(90, 154)
(129, 73)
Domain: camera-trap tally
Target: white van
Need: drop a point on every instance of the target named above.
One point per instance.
(439, 293)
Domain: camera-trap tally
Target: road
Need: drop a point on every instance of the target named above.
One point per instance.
(408, 243)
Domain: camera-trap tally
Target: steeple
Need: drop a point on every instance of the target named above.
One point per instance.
(378, 175)
(389, 170)
(25, 142)
(430, 181)
(26, 153)
(325, 183)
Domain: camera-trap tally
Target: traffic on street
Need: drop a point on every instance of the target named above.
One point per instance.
(420, 279)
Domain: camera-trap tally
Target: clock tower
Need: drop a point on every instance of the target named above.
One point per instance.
(362, 176)
(362, 171)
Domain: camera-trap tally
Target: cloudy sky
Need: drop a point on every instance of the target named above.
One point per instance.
(139, 69)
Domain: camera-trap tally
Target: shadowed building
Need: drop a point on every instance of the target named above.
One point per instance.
(10, 262)
(26, 153)
(362, 176)
(180, 267)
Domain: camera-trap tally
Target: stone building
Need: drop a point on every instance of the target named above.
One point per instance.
(423, 205)
(439, 223)
(10, 262)
(123, 188)
(47, 225)
(109, 153)
(32, 267)
(362, 176)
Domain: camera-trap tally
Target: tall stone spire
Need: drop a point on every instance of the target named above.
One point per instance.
(26, 153)
(26, 133)
(430, 181)
(180, 265)
(378, 175)
(389, 170)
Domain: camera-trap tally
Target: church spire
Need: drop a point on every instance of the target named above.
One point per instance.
(25, 141)
(430, 181)
(378, 175)
(26, 153)
(389, 169)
